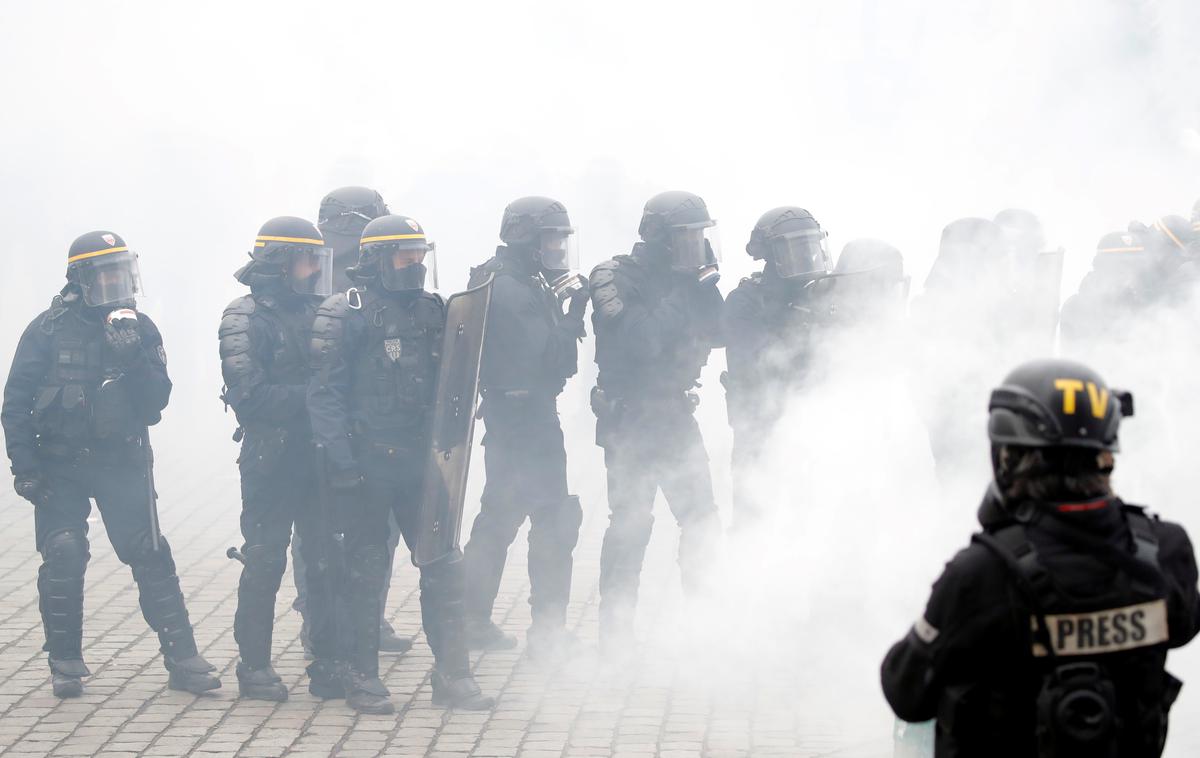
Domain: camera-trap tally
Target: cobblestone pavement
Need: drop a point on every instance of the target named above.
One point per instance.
(663, 704)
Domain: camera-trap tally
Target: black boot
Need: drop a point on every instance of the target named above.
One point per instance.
(482, 634)
(459, 692)
(66, 677)
(192, 674)
(326, 680)
(366, 694)
(390, 642)
(260, 684)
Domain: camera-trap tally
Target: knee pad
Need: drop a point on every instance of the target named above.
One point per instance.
(66, 553)
(632, 522)
(140, 555)
(559, 521)
(265, 565)
(367, 567)
(444, 576)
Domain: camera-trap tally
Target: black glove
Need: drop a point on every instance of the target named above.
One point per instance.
(122, 336)
(579, 299)
(29, 486)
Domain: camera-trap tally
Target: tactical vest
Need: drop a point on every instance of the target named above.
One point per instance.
(671, 373)
(291, 331)
(394, 376)
(76, 403)
(1104, 691)
(549, 310)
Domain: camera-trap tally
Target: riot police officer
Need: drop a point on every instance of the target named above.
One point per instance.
(657, 315)
(530, 350)
(264, 342)
(1048, 635)
(375, 354)
(343, 214)
(768, 321)
(88, 378)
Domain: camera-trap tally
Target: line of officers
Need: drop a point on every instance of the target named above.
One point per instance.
(355, 372)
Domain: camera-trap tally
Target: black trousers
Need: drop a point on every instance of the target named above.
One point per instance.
(118, 483)
(650, 447)
(392, 487)
(278, 494)
(526, 465)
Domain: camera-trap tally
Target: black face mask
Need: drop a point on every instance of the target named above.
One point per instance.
(407, 279)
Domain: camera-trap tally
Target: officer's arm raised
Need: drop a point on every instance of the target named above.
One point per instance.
(29, 367)
(145, 378)
(644, 331)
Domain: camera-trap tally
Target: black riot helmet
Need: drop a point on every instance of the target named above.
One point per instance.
(104, 269)
(679, 221)
(395, 249)
(540, 224)
(792, 240)
(1056, 403)
(1117, 250)
(347, 210)
(292, 252)
(1171, 236)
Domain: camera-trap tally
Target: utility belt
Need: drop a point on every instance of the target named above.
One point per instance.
(521, 401)
(610, 406)
(111, 450)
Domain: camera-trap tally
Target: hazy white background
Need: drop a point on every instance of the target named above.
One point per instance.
(184, 126)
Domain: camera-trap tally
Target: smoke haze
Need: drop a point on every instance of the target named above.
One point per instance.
(184, 128)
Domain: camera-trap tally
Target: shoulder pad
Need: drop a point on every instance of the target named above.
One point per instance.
(606, 297)
(335, 306)
(604, 273)
(236, 318)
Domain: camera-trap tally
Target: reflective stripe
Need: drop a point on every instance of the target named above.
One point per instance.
(387, 237)
(1121, 250)
(262, 238)
(105, 251)
(1163, 228)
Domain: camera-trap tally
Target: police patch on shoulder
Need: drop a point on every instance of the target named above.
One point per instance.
(162, 354)
(1107, 631)
(393, 348)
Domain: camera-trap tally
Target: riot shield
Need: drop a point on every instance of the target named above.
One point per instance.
(453, 424)
(1044, 294)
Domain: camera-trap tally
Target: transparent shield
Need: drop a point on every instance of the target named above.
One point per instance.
(112, 278)
(407, 268)
(311, 271)
(692, 246)
(558, 250)
(800, 254)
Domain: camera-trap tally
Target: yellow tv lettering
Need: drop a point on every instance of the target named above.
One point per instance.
(1099, 398)
(1069, 387)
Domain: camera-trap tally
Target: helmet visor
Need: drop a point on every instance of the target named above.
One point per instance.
(112, 278)
(694, 246)
(405, 266)
(558, 250)
(310, 271)
(800, 254)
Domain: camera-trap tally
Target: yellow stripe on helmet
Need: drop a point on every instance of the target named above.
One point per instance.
(1165, 230)
(390, 237)
(1121, 250)
(105, 251)
(263, 238)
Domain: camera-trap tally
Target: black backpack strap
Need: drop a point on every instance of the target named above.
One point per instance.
(1012, 546)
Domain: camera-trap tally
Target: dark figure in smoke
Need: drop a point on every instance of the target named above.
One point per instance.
(869, 288)
(768, 321)
(1133, 273)
(88, 378)
(960, 320)
(1048, 635)
(530, 350)
(1035, 274)
(344, 213)
(264, 338)
(657, 315)
(375, 354)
